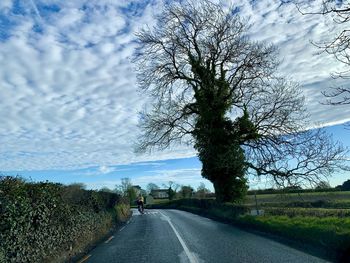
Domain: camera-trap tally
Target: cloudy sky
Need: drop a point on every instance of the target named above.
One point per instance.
(69, 100)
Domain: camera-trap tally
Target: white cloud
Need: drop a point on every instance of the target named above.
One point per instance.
(106, 169)
(5, 5)
(68, 89)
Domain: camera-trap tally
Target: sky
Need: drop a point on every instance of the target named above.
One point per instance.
(69, 99)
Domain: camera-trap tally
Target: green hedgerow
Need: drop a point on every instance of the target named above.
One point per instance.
(40, 221)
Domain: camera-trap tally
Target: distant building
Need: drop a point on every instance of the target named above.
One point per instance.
(160, 193)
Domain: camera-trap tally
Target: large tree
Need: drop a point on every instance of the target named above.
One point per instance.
(214, 88)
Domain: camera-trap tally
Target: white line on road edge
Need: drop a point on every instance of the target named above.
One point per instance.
(121, 228)
(84, 259)
(189, 254)
(109, 239)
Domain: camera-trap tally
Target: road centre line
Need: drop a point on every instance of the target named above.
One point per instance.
(192, 258)
(121, 228)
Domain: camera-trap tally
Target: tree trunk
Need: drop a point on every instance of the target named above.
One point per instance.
(224, 166)
(229, 185)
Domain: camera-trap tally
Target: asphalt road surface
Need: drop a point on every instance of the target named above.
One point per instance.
(178, 236)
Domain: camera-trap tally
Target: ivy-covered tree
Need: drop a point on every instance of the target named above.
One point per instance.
(216, 89)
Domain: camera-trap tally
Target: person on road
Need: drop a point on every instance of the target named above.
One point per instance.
(140, 202)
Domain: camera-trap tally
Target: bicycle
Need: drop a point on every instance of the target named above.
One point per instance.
(140, 207)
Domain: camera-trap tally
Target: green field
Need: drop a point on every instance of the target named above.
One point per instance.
(332, 199)
(318, 218)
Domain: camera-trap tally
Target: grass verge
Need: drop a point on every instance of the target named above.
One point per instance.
(330, 234)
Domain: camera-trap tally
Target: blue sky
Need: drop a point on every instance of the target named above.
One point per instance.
(69, 101)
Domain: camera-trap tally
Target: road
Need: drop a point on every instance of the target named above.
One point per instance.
(178, 236)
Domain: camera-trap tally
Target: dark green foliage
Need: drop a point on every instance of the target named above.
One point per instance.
(171, 193)
(217, 138)
(41, 221)
(346, 186)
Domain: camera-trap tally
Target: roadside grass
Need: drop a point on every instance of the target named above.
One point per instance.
(307, 212)
(329, 233)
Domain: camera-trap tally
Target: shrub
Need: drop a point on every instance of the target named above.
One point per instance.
(122, 211)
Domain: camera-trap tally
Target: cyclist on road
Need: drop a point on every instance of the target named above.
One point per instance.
(140, 202)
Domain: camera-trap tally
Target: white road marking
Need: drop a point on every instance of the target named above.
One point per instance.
(84, 259)
(109, 239)
(121, 228)
(151, 212)
(192, 258)
(137, 213)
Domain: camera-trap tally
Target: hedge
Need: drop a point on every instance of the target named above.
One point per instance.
(43, 222)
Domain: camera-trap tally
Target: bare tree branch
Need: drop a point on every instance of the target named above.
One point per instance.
(338, 46)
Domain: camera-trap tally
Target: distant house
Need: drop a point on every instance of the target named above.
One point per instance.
(160, 193)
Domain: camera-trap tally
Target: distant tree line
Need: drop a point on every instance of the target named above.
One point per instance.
(321, 187)
(176, 191)
(187, 191)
